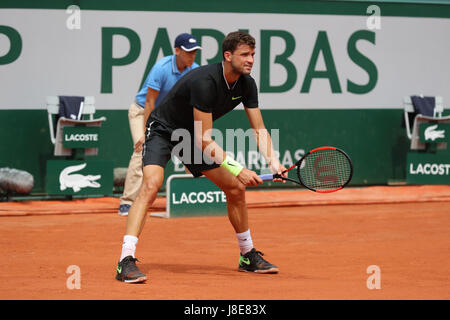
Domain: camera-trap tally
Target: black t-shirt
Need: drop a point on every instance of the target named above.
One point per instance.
(206, 89)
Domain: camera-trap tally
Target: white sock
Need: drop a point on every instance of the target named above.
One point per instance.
(245, 241)
(128, 246)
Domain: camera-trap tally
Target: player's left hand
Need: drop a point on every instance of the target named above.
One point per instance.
(277, 167)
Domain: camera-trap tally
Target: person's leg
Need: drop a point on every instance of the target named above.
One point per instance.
(134, 175)
(152, 182)
(235, 193)
(127, 271)
(250, 259)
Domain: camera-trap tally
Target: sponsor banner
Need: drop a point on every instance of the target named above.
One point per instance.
(302, 61)
(428, 168)
(187, 196)
(379, 154)
(434, 132)
(71, 177)
(81, 137)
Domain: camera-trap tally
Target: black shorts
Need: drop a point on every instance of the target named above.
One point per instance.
(158, 149)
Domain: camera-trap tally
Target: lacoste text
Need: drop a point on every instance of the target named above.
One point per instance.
(200, 197)
(81, 137)
(430, 169)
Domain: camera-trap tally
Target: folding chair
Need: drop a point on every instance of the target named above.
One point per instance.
(418, 119)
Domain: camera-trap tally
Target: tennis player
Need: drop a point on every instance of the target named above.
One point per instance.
(161, 78)
(200, 97)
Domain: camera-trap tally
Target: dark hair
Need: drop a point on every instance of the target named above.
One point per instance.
(234, 39)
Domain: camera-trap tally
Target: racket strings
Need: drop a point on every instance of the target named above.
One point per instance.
(326, 169)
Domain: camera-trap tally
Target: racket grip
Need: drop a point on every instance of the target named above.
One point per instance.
(266, 177)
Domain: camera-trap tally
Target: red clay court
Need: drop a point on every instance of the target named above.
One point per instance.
(323, 245)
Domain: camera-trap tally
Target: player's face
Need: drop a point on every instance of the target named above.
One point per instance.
(242, 59)
(186, 58)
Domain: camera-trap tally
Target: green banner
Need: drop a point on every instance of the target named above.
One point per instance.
(428, 168)
(81, 137)
(71, 177)
(188, 196)
(378, 155)
(433, 132)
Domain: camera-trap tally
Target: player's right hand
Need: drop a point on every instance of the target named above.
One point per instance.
(139, 144)
(249, 178)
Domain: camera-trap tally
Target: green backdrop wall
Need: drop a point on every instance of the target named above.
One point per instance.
(375, 139)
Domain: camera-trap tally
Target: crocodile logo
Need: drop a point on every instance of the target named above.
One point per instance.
(67, 179)
(432, 134)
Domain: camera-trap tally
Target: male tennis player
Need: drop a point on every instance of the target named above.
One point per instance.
(161, 78)
(200, 97)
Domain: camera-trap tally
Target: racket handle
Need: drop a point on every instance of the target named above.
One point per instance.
(266, 177)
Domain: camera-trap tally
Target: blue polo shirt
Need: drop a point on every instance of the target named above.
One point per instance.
(162, 78)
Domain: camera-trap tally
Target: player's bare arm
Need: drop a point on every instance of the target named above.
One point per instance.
(263, 140)
(204, 141)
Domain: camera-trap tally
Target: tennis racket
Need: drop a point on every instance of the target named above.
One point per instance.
(324, 169)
